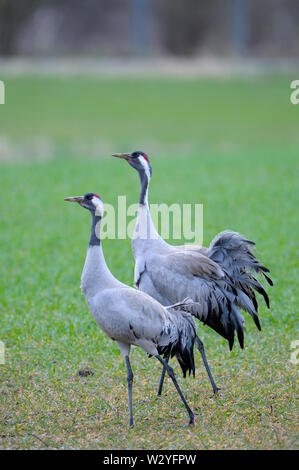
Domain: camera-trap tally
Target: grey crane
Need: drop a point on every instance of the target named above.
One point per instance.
(131, 317)
(219, 279)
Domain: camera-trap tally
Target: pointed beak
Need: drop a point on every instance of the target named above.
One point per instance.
(78, 199)
(125, 156)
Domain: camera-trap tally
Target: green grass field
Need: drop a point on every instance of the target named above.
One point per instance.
(232, 145)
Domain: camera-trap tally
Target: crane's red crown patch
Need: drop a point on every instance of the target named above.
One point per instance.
(146, 157)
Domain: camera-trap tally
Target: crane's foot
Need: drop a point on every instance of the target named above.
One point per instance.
(192, 421)
(216, 391)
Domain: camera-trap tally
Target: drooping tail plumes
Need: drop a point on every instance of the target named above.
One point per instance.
(183, 347)
(184, 352)
(234, 254)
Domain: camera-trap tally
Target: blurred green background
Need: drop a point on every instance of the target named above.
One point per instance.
(203, 87)
(231, 144)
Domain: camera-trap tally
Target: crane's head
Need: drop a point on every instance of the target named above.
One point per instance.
(90, 201)
(138, 160)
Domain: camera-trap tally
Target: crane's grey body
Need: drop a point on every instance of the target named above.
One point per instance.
(171, 273)
(131, 317)
(127, 315)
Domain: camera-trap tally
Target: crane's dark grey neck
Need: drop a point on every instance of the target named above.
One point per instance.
(144, 182)
(95, 275)
(95, 230)
(145, 232)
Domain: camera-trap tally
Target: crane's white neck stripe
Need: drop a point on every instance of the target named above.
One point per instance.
(144, 163)
(145, 176)
(99, 206)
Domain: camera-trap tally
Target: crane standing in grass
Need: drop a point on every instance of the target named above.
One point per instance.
(131, 317)
(218, 279)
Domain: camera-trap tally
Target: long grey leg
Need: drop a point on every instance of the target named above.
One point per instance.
(201, 349)
(162, 377)
(130, 388)
(172, 376)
